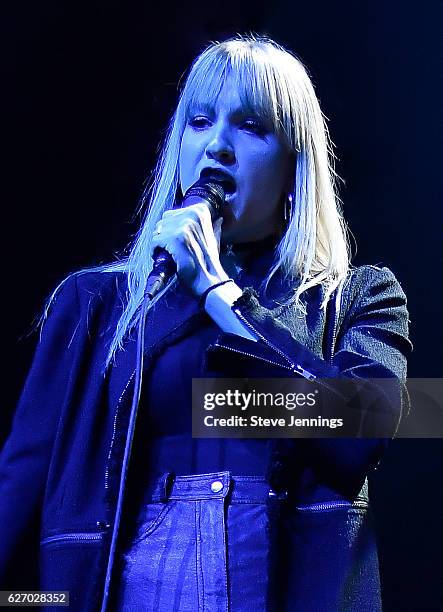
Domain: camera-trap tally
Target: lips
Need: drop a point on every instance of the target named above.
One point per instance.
(221, 177)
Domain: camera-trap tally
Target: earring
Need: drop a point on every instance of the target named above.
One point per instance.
(288, 207)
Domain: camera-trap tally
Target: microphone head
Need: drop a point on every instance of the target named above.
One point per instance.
(210, 191)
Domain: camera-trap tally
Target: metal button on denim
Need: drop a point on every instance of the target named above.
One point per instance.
(216, 486)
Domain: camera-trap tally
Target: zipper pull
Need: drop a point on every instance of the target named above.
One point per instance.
(297, 368)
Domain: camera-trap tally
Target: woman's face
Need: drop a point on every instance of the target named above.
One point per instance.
(231, 139)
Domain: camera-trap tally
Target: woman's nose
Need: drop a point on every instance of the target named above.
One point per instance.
(220, 148)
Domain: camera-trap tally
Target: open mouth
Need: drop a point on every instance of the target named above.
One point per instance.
(222, 178)
(228, 186)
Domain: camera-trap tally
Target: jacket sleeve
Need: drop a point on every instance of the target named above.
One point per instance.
(25, 457)
(372, 342)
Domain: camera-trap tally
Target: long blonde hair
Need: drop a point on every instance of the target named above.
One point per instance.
(314, 248)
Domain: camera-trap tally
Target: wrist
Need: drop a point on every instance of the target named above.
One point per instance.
(212, 289)
(222, 297)
(208, 281)
(218, 305)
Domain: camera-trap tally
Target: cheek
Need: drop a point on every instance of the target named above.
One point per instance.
(189, 156)
(185, 163)
(267, 174)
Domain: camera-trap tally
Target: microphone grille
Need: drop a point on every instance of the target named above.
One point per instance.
(210, 191)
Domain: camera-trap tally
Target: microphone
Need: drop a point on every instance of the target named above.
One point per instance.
(205, 191)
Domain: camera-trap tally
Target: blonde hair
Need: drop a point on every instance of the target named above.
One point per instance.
(314, 247)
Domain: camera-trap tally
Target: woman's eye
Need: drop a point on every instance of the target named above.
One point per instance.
(251, 125)
(198, 122)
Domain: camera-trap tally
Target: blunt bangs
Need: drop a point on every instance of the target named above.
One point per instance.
(262, 88)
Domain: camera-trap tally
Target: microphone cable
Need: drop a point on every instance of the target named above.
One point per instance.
(162, 277)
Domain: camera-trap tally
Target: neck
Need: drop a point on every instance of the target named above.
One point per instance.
(249, 245)
(236, 256)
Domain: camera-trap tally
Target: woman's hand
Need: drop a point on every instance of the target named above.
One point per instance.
(187, 234)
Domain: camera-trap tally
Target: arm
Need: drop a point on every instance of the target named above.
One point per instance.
(25, 457)
(372, 343)
(218, 305)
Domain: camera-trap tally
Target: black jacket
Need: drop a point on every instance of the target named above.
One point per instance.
(61, 468)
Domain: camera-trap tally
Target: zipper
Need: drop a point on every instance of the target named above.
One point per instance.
(322, 506)
(337, 310)
(73, 537)
(114, 429)
(228, 348)
(294, 367)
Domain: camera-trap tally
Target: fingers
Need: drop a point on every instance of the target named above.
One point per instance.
(197, 212)
(187, 234)
(187, 225)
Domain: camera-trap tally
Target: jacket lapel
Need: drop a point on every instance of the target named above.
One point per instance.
(174, 315)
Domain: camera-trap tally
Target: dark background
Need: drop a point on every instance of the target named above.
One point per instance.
(87, 90)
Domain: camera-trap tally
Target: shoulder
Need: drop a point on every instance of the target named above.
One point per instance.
(83, 305)
(373, 298)
(86, 291)
(368, 284)
(101, 285)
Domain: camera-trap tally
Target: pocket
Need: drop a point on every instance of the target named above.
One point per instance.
(332, 528)
(358, 504)
(83, 537)
(337, 538)
(65, 559)
(151, 518)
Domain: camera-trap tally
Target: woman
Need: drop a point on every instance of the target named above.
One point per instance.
(154, 520)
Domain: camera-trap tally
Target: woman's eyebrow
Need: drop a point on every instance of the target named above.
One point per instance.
(202, 107)
(209, 109)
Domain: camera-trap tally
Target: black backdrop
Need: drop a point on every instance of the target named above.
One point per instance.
(87, 90)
